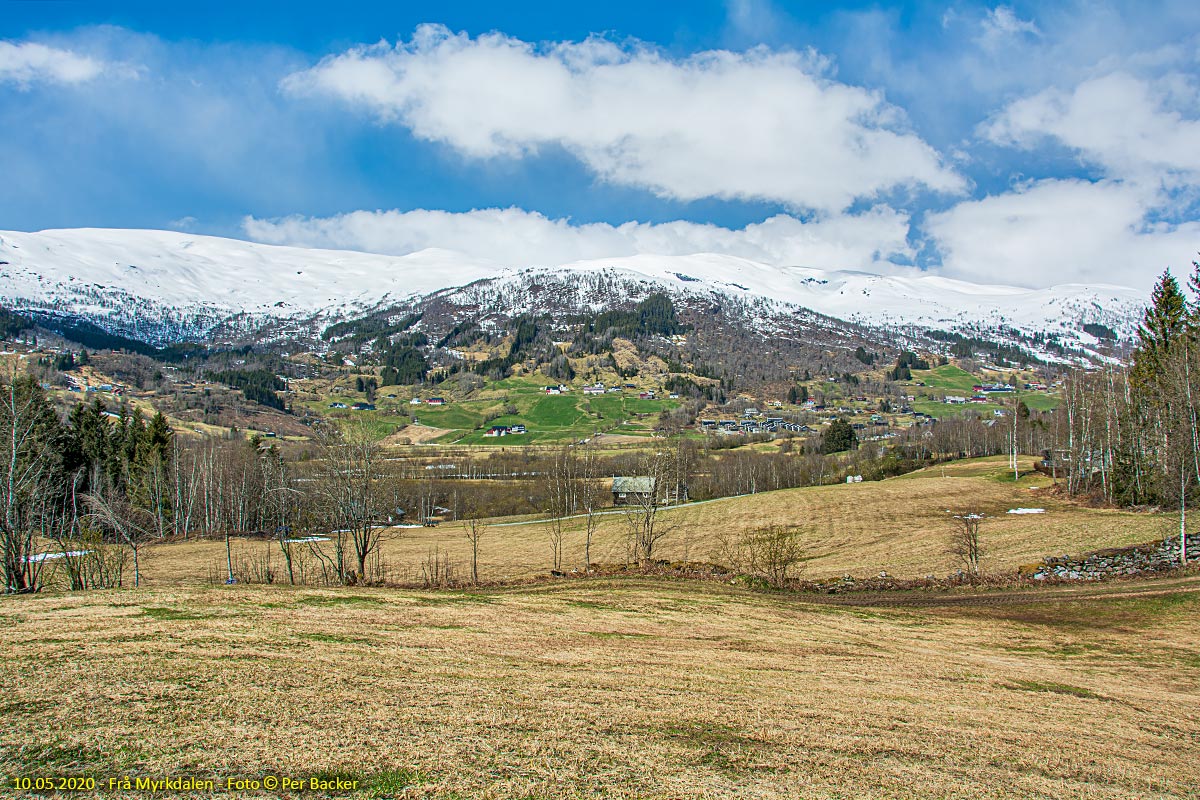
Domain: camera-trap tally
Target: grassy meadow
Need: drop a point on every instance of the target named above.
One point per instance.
(622, 689)
(635, 687)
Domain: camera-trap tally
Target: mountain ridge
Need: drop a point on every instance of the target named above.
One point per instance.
(196, 283)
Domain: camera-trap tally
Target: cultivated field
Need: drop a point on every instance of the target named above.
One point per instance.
(612, 689)
(900, 526)
(549, 418)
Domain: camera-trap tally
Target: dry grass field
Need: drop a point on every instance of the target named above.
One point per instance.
(612, 689)
(899, 526)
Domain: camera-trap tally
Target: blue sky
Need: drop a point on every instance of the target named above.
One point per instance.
(1009, 143)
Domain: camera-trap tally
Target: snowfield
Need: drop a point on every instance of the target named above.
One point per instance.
(110, 274)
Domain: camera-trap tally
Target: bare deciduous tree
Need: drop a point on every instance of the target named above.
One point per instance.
(591, 499)
(474, 528)
(644, 526)
(350, 497)
(562, 498)
(128, 523)
(965, 543)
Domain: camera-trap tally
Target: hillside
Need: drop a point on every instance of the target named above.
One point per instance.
(899, 526)
(182, 286)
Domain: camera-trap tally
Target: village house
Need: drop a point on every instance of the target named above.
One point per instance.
(638, 490)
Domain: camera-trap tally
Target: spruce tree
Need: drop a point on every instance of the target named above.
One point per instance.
(1161, 327)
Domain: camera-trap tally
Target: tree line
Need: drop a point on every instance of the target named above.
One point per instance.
(1129, 434)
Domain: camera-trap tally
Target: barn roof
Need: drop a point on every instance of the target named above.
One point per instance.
(633, 484)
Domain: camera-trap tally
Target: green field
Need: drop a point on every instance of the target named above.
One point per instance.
(548, 418)
(946, 377)
(951, 379)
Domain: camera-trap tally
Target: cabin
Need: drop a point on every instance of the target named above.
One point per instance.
(363, 407)
(436, 401)
(638, 490)
(597, 389)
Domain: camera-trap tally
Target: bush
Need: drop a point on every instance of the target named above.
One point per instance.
(772, 554)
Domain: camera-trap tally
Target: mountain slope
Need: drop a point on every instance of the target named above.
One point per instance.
(167, 285)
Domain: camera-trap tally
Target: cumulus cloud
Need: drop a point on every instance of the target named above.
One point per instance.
(1130, 126)
(25, 63)
(519, 238)
(762, 125)
(1062, 231)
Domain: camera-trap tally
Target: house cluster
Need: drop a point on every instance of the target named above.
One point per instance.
(987, 388)
(360, 406)
(730, 427)
(556, 389)
(74, 385)
(107, 387)
(505, 430)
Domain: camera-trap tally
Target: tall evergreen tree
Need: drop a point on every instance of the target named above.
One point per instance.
(1161, 327)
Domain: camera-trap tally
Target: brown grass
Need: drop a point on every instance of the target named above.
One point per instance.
(899, 526)
(608, 689)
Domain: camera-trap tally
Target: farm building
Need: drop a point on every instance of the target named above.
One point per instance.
(638, 490)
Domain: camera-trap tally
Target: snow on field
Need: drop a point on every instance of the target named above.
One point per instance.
(37, 558)
(1027, 511)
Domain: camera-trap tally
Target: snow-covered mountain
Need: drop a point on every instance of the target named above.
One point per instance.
(177, 285)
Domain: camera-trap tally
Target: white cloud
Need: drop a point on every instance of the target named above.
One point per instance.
(29, 62)
(1000, 25)
(756, 125)
(515, 237)
(1131, 127)
(1062, 231)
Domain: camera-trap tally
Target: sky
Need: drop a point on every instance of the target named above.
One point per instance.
(1028, 143)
